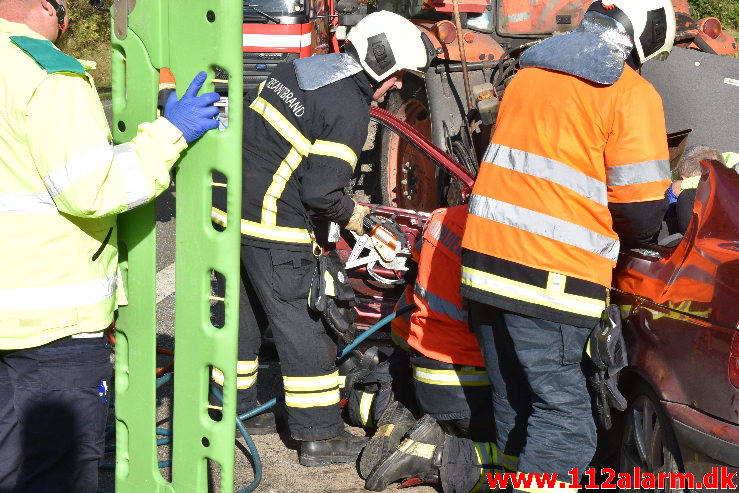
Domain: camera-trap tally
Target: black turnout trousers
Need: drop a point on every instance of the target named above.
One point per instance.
(276, 283)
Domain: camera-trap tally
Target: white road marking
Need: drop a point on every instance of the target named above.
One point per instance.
(165, 282)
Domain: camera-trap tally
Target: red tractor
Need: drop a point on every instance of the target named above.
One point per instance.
(706, 34)
(456, 105)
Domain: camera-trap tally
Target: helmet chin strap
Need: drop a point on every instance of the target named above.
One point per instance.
(61, 13)
(633, 60)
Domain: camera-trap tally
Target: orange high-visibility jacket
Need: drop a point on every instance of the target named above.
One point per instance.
(400, 326)
(438, 329)
(539, 238)
(515, 16)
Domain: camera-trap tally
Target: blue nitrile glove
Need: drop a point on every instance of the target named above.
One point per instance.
(193, 115)
(671, 197)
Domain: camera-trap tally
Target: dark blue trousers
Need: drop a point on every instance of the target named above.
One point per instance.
(540, 397)
(52, 416)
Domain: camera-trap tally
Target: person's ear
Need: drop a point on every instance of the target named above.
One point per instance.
(47, 7)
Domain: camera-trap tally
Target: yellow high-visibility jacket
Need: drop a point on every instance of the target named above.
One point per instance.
(731, 159)
(62, 183)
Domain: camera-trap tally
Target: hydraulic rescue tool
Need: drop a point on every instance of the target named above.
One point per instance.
(386, 236)
(387, 247)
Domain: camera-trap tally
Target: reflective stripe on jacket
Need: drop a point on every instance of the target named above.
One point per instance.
(61, 184)
(438, 328)
(539, 238)
(516, 16)
(300, 149)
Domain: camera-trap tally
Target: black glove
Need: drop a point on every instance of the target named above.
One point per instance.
(317, 294)
(339, 317)
(607, 350)
(601, 406)
(333, 297)
(355, 366)
(342, 290)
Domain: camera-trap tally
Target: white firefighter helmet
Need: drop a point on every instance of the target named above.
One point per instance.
(651, 23)
(384, 42)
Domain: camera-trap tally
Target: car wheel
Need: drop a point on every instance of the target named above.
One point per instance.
(647, 441)
(408, 178)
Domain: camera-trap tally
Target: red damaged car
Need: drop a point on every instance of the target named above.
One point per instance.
(680, 307)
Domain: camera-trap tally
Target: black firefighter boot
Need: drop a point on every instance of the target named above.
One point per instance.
(392, 426)
(418, 456)
(343, 448)
(261, 424)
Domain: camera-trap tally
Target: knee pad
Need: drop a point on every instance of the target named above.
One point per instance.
(369, 393)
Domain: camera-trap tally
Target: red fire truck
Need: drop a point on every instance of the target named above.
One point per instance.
(279, 30)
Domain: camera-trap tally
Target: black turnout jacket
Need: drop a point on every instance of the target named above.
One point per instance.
(299, 153)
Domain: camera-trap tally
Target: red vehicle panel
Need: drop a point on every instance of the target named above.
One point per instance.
(681, 311)
(277, 38)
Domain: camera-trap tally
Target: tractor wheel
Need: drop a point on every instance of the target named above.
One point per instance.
(408, 179)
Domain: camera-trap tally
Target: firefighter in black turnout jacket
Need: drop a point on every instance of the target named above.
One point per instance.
(303, 132)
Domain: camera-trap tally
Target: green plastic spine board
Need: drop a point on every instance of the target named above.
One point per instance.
(186, 36)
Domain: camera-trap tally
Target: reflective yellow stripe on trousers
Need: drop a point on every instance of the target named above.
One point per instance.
(465, 377)
(311, 391)
(492, 462)
(246, 374)
(486, 457)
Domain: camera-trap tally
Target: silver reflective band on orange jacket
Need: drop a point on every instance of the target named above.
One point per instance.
(544, 225)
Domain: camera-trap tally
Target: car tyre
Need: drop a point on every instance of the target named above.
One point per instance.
(647, 440)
